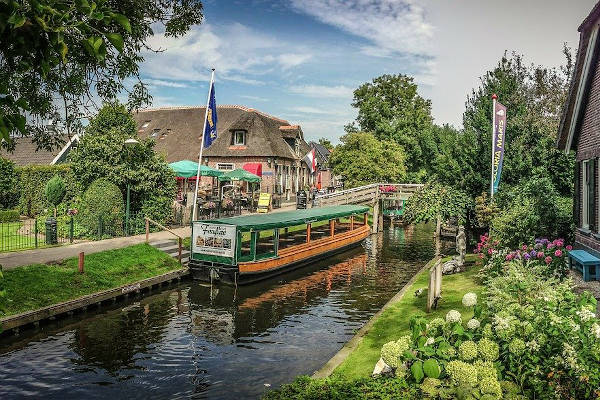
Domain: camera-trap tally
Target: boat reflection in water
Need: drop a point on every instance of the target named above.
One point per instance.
(221, 342)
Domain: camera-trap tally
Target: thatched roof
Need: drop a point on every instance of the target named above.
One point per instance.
(178, 132)
(26, 152)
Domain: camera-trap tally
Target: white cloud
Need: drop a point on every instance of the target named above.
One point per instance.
(237, 52)
(255, 98)
(322, 91)
(160, 82)
(392, 26)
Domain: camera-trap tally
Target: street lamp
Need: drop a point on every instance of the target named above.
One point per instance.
(129, 143)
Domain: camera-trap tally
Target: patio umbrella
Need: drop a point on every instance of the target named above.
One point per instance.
(189, 169)
(239, 175)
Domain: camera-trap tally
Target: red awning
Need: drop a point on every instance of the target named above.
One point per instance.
(254, 168)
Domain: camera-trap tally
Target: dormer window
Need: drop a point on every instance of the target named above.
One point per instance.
(146, 123)
(155, 132)
(239, 138)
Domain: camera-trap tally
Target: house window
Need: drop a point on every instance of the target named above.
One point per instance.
(155, 133)
(585, 221)
(239, 138)
(225, 166)
(146, 123)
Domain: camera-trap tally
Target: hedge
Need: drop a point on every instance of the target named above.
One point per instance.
(9, 215)
(32, 181)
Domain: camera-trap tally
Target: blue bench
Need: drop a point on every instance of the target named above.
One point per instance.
(586, 263)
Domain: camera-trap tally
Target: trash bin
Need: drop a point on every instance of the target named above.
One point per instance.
(51, 236)
(301, 200)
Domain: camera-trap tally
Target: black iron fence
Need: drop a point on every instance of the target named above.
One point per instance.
(40, 232)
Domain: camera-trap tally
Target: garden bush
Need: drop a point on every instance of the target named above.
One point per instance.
(9, 215)
(102, 204)
(55, 191)
(32, 180)
(9, 194)
(532, 209)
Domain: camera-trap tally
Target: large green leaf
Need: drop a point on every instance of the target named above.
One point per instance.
(116, 40)
(431, 368)
(417, 371)
(123, 21)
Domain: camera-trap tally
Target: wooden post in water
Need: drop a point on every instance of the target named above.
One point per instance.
(81, 261)
(179, 242)
(307, 233)
(331, 227)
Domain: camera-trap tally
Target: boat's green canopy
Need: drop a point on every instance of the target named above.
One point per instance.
(283, 219)
(240, 174)
(189, 169)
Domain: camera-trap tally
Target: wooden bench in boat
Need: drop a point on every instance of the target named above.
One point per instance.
(586, 263)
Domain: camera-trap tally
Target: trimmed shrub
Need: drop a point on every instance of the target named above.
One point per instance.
(9, 215)
(102, 209)
(55, 191)
(9, 194)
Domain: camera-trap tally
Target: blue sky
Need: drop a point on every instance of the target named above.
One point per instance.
(301, 59)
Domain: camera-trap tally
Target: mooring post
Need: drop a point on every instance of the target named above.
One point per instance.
(81, 260)
(376, 211)
(147, 230)
(179, 242)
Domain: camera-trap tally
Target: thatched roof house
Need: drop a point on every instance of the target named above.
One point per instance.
(244, 136)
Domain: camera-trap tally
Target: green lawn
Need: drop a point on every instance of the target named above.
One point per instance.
(39, 285)
(10, 240)
(394, 321)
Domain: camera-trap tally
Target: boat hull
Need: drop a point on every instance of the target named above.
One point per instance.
(287, 260)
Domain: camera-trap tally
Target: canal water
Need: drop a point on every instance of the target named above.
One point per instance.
(191, 341)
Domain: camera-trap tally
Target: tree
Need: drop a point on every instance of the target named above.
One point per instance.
(362, 159)
(435, 199)
(534, 97)
(326, 143)
(9, 195)
(101, 153)
(392, 109)
(75, 51)
(55, 191)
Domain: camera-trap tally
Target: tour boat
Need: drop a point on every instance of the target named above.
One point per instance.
(248, 248)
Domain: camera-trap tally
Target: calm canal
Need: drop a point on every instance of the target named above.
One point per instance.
(191, 341)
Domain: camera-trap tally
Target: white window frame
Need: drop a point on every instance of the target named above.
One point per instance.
(235, 142)
(585, 221)
(225, 166)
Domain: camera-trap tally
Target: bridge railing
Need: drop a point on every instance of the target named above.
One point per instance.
(366, 193)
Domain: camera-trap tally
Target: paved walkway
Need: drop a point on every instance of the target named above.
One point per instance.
(52, 254)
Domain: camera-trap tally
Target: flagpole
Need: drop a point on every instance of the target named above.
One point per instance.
(494, 97)
(210, 86)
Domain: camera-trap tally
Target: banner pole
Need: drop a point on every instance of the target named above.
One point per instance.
(195, 204)
(494, 97)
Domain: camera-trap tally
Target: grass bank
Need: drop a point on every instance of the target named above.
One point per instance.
(394, 321)
(40, 285)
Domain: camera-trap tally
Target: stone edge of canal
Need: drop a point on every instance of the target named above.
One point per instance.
(353, 343)
(15, 322)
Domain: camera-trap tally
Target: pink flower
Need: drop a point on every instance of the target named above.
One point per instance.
(569, 247)
(524, 247)
(548, 260)
(558, 253)
(481, 255)
(540, 254)
(509, 257)
(490, 252)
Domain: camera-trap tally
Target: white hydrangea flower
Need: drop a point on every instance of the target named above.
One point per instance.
(585, 314)
(429, 341)
(595, 328)
(469, 299)
(473, 324)
(453, 316)
(500, 323)
(533, 345)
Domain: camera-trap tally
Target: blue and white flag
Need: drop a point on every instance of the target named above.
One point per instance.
(210, 132)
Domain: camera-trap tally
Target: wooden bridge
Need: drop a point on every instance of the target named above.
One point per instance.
(371, 195)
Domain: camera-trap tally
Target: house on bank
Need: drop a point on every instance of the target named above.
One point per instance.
(324, 175)
(246, 138)
(26, 152)
(580, 131)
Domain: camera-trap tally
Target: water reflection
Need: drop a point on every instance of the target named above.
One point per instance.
(202, 342)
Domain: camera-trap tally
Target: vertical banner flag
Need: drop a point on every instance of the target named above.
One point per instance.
(311, 161)
(498, 141)
(210, 128)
